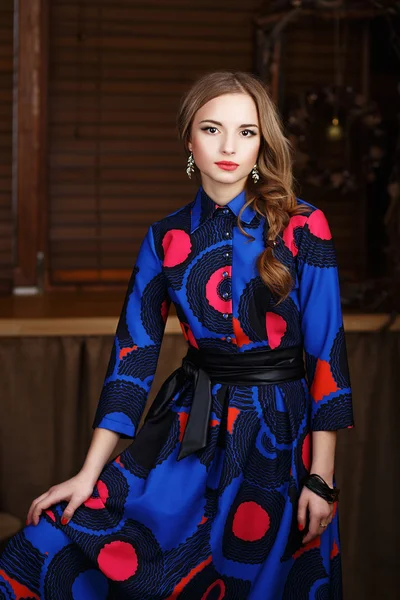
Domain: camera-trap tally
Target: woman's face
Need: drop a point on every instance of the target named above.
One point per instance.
(226, 130)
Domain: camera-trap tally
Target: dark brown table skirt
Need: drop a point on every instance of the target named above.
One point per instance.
(49, 389)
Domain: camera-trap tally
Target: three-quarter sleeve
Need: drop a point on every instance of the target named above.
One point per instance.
(136, 346)
(322, 328)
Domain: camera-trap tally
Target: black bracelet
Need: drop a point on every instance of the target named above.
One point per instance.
(316, 484)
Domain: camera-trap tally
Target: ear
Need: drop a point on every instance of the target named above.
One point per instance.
(190, 146)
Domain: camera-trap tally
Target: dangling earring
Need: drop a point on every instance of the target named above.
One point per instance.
(190, 166)
(255, 174)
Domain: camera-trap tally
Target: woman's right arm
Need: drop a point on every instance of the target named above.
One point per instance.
(80, 487)
(102, 445)
(130, 373)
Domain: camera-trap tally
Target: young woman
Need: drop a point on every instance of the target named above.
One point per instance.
(228, 489)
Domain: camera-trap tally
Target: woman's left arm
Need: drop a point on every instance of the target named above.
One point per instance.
(326, 360)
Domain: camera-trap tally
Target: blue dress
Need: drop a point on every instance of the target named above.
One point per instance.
(222, 522)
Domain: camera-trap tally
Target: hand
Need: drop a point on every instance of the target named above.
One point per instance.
(75, 490)
(320, 512)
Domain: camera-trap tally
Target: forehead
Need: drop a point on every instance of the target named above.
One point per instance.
(229, 108)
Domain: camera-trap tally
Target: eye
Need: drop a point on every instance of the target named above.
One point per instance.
(214, 129)
(250, 132)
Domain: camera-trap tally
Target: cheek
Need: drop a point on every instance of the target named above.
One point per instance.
(202, 151)
(253, 152)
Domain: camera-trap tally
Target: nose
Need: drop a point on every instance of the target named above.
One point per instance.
(228, 145)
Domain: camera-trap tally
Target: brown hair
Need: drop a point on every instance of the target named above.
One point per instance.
(273, 197)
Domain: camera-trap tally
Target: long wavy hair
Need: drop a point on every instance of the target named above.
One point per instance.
(273, 196)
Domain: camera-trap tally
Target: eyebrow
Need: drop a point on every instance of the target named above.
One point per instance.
(220, 124)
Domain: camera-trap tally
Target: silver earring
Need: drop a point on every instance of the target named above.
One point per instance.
(255, 174)
(190, 166)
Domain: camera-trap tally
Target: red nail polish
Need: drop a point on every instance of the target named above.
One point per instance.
(301, 526)
(64, 521)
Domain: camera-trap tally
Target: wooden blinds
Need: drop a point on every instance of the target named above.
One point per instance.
(6, 101)
(116, 75)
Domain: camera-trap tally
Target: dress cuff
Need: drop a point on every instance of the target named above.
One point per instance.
(125, 430)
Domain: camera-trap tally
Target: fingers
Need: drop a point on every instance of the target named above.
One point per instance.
(33, 505)
(316, 528)
(52, 497)
(69, 511)
(302, 513)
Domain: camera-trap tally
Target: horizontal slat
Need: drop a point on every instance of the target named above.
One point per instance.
(116, 132)
(113, 102)
(133, 12)
(78, 277)
(112, 189)
(191, 59)
(118, 175)
(95, 72)
(146, 43)
(113, 146)
(180, 5)
(86, 28)
(130, 160)
(118, 87)
(161, 204)
(124, 219)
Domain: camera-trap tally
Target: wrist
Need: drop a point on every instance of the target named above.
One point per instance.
(88, 475)
(327, 475)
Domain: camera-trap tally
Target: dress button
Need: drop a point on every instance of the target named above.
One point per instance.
(225, 211)
(226, 255)
(225, 295)
(225, 315)
(225, 274)
(228, 338)
(227, 234)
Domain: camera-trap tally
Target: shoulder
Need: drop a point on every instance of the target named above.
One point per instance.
(178, 219)
(312, 220)
(175, 225)
(305, 226)
(315, 221)
(314, 243)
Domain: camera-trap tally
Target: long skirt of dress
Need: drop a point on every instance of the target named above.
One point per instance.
(218, 524)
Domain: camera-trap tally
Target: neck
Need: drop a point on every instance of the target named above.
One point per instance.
(222, 193)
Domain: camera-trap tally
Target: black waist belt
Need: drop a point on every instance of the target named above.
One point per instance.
(205, 367)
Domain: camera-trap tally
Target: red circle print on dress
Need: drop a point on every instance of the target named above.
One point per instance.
(318, 225)
(288, 234)
(99, 501)
(276, 328)
(118, 560)
(306, 452)
(177, 246)
(214, 299)
(213, 588)
(251, 522)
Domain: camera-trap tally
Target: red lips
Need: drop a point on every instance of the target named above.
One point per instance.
(227, 165)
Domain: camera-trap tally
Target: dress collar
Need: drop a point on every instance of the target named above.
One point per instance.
(204, 208)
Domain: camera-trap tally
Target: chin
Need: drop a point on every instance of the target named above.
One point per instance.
(226, 177)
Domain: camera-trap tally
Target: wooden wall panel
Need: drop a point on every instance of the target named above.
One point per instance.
(117, 72)
(6, 103)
